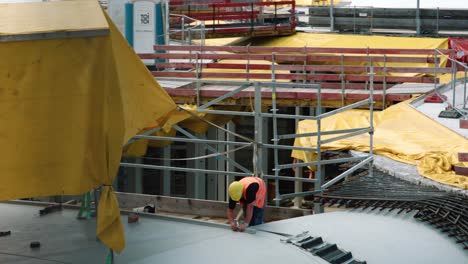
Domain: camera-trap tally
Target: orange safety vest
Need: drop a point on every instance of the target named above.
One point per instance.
(260, 196)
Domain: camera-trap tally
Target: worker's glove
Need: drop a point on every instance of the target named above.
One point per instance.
(234, 226)
(242, 227)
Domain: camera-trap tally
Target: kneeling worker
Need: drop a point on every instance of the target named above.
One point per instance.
(250, 193)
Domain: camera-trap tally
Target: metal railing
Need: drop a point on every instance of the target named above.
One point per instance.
(259, 143)
(190, 29)
(455, 66)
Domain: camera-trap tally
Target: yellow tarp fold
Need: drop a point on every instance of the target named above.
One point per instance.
(67, 107)
(401, 133)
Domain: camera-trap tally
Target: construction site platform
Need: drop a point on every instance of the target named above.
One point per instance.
(186, 92)
(64, 239)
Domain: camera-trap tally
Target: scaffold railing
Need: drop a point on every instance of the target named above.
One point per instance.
(260, 143)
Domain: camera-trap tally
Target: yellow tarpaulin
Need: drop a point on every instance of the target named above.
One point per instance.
(316, 2)
(184, 120)
(67, 107)
(401, 133)
(355, 41)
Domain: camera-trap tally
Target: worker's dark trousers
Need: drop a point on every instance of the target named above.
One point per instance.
(257, 217)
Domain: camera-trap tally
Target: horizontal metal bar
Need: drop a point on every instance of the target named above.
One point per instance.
(299, 194)
(224, 112)
(290, 116)
(285, 178)
(219, 99)
(191, 140)
(322, 162)
(313, 134)
(300, 50)
(348, 135)
(260, 84)
(342, 109)
(272, 146)
(157, 167)
(346, 173)
(284, 116)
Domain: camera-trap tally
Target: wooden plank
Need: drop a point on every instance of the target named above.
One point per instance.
(198, 207)
(463, 157)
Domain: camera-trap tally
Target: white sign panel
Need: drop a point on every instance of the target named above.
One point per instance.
(144, 28)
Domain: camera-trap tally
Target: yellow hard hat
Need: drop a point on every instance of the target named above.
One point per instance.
(235, 190)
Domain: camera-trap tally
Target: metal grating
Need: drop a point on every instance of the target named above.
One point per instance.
(317, 247)
(444, 211)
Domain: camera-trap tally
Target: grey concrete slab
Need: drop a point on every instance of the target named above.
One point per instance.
(432, 110)
(384, 238)
(64, 239)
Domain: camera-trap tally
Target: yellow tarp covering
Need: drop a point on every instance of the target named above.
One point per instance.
(401, 133)
(27, 18)
(316, 2)
(355, 41)
(302, 39)
(184, 120)
(67, 107)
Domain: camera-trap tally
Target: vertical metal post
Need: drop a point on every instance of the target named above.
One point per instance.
(299, 170)
(342, 81)
(454, 80)
(202, 42)
(231, 155)
(221, 195)
(182, 36)
(166, 173)
(418, 19)
(436, 63)
(437, 21)
(319, 177)
(384, 93)
(371, 118)
(275, 130)
(189, 36)
(464, 89)
(258, 133)
(332, 22)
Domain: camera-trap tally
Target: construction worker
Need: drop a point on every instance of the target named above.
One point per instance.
(250, 193)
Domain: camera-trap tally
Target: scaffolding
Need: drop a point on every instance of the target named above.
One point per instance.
(260, 144)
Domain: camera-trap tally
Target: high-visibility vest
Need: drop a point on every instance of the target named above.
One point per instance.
(260, 196)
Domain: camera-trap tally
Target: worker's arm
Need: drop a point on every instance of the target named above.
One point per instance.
(248, 216)
(230, 215)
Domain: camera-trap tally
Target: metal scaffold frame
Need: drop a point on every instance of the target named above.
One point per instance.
(259, 90)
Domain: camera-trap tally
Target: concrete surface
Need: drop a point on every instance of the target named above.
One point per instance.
(152, 240)
(383, 238)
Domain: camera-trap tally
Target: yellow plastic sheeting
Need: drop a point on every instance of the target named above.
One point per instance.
(316, 2)
(401, 133)
(29, 18)
(302, 39)
(184, 120)
(67, 107)
(354, 41)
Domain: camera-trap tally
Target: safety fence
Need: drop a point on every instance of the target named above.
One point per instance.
(338, 69)
(261, 143)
